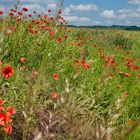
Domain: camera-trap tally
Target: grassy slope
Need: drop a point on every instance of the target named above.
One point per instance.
(136, 134)
(89, 99)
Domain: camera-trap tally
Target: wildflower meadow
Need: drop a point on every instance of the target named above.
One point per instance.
(59, 82)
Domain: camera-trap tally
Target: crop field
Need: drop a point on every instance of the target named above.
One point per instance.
(63, 83)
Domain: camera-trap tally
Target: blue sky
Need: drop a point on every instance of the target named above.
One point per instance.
(87, 12)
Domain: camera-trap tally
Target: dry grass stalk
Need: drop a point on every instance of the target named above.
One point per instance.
(28, 107)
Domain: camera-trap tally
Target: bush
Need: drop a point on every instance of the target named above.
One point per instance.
(123, 42)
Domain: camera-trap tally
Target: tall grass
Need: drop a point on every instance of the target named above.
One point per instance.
(96, 95)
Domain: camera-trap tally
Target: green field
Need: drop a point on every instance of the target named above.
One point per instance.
(68, 83)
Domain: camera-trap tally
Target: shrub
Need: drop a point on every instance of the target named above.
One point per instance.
(123, 42)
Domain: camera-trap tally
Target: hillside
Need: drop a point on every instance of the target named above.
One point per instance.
(59, 82)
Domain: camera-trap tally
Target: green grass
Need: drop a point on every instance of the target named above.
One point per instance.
(135, 135)
(90, 101)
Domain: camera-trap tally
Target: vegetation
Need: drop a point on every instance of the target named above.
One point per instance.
(120, 27)
(65, 83)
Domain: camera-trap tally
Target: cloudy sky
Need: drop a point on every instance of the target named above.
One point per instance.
(87, 12)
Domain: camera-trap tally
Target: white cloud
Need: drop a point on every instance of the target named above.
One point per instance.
(10, 2)
(84, 19)
(129, 13)
(122, 16)
(96, 23)
(79, 8)
(128, 16)
(34, 7)
(138, 10)
(66, 11)
(131, 22)
(71, 18)
(39, 8)
(108, 14)
(38, 1)
(134, 1)
(82, 7)
(76, 19)
(76, 9)
(122, 11)
(128, 22)
(109, 22)
(52, 6)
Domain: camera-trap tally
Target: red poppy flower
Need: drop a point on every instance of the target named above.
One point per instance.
(126, 93)
(76, 61)
(129, 62)
(132, 68)
(51, 18)
(48, 29)
(55, 76)
(8, 129)
(49, 10)
(30, 15)
(86, 66)
(136, 67)
(1, 12)
(102, 57)
(95, 45)
(11, 110)
(18, 18)
(36, 73)
(1, 62)
(112, 74)
(59, 39)
(83, 62)
(22, 59)
(127, 74)
(30, 26)
(25, 9)
(42, 26)
(7, 72)
(2, 119)
(54, 95)
(11, 14)
(115, 66)
(14, 10)
(24, 68)
(8, 117)
(45, 16)
(1, 102)
(120, 72)
(2, 108)
(20, 13)
(5, 118)
(66, 36)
